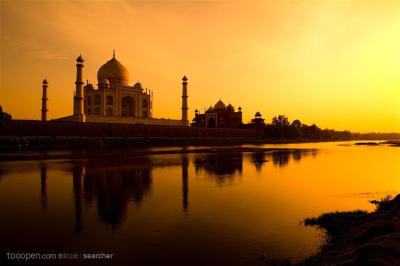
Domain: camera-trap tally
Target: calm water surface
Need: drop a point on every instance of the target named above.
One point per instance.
(224, 208)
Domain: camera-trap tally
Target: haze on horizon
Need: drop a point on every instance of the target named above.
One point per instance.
(333, 63)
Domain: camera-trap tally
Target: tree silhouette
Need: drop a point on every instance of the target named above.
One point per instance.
(296, 123)
(4, 115)
(280, 121)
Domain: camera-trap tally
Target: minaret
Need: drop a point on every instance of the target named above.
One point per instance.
(184, 101)
(78, 99)
(44, 101)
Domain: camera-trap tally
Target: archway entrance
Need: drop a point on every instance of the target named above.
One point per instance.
(127, 106)
(109, 112)
(211, 122)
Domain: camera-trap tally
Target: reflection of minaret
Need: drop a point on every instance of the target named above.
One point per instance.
(43, 181)
(185, 182)
(78, 173)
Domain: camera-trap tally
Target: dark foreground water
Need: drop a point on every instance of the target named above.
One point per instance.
(211, 208)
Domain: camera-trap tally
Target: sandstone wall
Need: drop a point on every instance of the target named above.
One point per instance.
(89, 129)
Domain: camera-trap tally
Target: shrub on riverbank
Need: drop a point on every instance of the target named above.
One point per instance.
(360, 238)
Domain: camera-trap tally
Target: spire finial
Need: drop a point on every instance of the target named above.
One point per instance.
(80, 59)
(114, 53)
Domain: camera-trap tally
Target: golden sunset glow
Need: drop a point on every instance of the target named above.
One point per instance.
(333, 63)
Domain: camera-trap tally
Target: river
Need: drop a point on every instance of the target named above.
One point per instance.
(213, 207)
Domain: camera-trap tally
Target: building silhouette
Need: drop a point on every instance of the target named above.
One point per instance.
(258, 121)
(218, 116)
(114, 100)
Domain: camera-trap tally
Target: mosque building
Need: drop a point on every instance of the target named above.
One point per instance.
(114, 100)
(219, 116)
(258, 121)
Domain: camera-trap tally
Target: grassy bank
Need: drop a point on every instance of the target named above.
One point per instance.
(360, 238)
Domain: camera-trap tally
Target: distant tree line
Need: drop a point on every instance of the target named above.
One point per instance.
(281, 128)
(4, 115)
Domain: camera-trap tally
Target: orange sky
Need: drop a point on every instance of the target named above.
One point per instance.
(335, 63)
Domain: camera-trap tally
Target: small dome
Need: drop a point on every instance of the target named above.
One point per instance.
(230, 108)
(258, 114)
(89, 86)
(210, 109)
(219, 105)
(138, 86)
(114, 71)
(104, 81)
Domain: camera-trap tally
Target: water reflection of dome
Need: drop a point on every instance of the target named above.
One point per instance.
(112, 188)
(223, 166)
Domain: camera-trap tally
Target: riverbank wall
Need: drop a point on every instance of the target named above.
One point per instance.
(23, 128)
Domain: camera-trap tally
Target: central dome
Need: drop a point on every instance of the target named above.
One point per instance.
(114, 71)
(219, 105)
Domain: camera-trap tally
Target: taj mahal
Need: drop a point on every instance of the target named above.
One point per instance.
(114, 100)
